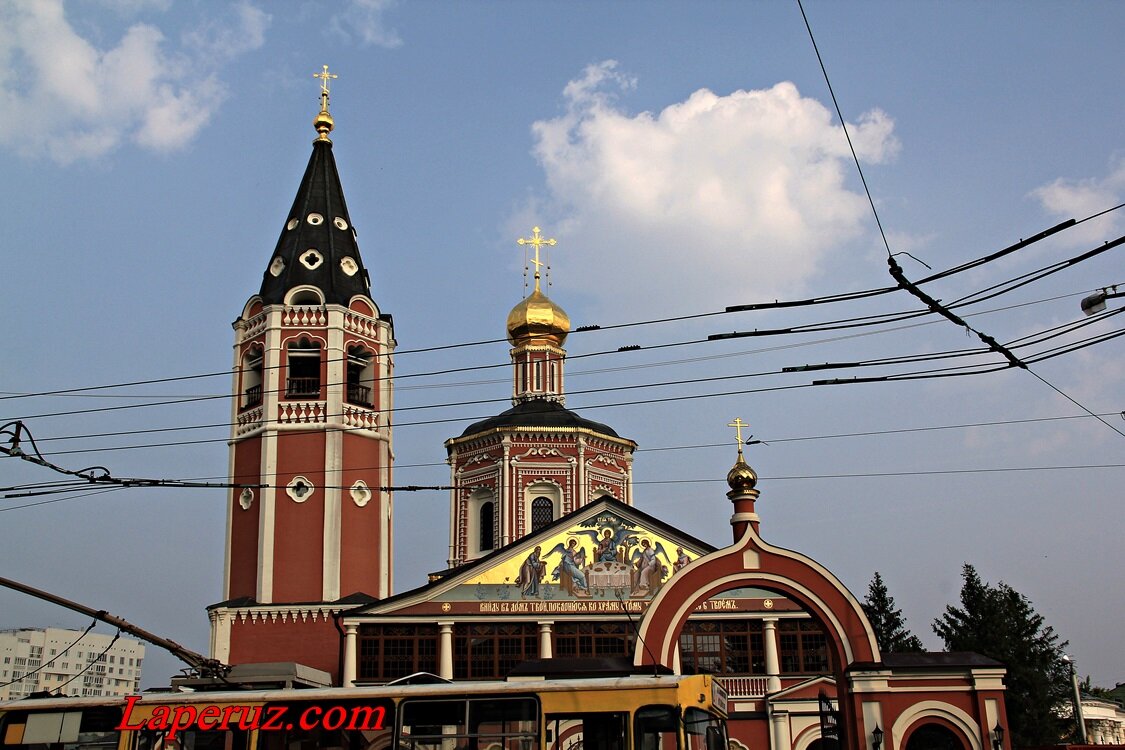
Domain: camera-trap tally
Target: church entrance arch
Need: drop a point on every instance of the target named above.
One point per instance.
(750, 562)
(934, 736)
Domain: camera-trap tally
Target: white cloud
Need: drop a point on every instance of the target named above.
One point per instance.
(64, 97)
(747, 187)
(1078, 199)
(364, 19)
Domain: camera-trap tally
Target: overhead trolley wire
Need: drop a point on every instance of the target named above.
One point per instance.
(776, 304)
(839, 324)
(913, 287)
(964, 369)
(1039, 337)
(570, 374)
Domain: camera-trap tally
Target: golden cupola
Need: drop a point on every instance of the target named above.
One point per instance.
(537, 320)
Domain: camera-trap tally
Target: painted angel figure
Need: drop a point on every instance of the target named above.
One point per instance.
(609, 542)
(569, 571)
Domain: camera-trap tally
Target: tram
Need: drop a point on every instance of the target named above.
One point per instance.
(663, 712)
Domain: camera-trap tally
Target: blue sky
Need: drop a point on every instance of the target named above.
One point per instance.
(686, 157)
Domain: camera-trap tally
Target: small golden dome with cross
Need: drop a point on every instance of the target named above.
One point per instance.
(741, 477)
(536, 319)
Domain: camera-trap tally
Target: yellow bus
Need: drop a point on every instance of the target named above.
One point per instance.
(607, 713)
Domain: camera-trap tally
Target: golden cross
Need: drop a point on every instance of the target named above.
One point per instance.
(537, 241)
(324, 77)
(738, 424)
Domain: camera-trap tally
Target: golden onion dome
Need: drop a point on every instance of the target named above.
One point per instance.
(741, 477)
(538, 320)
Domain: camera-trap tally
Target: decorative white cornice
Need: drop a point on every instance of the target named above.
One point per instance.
(282, 613)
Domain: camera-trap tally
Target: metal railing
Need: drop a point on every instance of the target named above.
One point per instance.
(360, 395)
(302, 387)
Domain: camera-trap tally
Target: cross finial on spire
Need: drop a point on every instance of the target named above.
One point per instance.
(738, 424)
(537, 241)
(323, 122)
(324, 77)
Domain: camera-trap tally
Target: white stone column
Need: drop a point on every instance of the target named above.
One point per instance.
(773, 668)
(351, 630)
(545, 649)
(445, 650)
(779, 731)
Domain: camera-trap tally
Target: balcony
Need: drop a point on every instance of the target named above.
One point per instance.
(302, 388)
(253, 397)
(360, 395)
(744, 687)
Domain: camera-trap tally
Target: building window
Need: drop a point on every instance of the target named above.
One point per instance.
(387, 652)
(490, 652)
(722, 647)
(590, 639)
(252, 378)
(542, 513)
(485, 526)
(802, 647)
(361, 376)
(542, 501)
(303, 380)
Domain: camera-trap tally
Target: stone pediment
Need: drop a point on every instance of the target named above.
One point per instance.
(807, 690)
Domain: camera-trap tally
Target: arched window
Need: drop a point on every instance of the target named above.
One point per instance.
(485, 526)
(361, 376)
(542, 513)
(303, 379)
(252, 378)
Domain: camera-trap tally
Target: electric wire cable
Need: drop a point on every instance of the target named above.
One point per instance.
(53, 659)
(959, 370)
(847, 296)
(896, 271)
(90, 663)
(571, 374)
(838, 324)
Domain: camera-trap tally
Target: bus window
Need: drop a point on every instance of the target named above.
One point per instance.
(470, 724)
(93, 728)
(337, 725)
(590, 731)
(655, 728)
(704, 731)
(191, 739)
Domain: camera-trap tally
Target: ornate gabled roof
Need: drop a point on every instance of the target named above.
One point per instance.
(318, 244)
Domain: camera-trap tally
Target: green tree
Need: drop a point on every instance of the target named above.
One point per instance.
(1088, 687)
(886, 620)
(1000, 623)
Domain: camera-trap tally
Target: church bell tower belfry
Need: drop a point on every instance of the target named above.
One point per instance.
(311, 432)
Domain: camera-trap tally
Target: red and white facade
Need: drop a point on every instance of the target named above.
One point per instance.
(319, 526)
(308, 530)
(523, 469)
